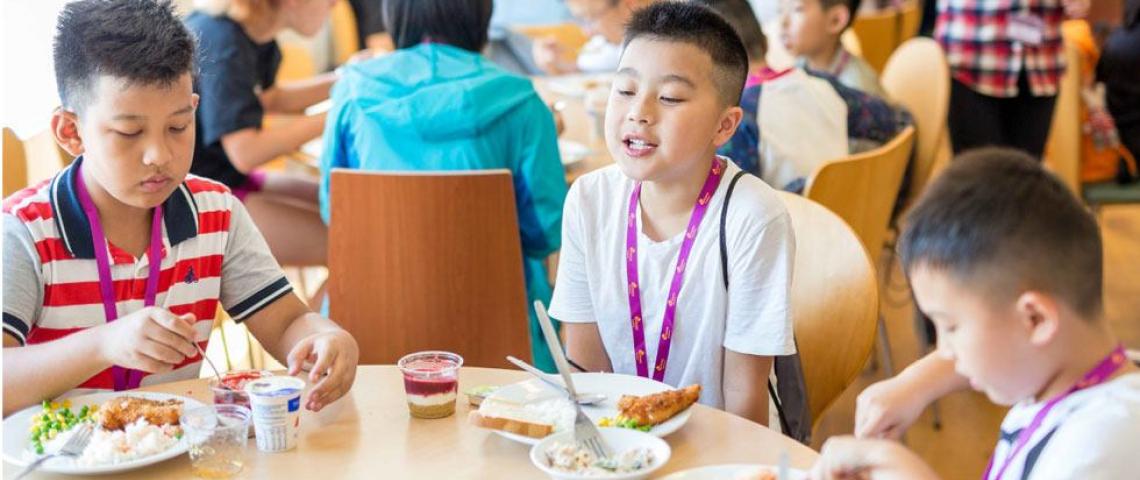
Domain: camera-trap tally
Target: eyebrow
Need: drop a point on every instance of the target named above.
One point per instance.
(671, 78)
(127, 116)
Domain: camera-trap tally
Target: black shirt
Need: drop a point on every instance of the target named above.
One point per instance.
(232, 70)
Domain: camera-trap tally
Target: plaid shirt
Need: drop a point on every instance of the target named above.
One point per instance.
(974, 34)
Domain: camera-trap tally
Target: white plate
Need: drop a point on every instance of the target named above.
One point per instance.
(572, 152)
(612, 385)
(730, 472)
(16, 427)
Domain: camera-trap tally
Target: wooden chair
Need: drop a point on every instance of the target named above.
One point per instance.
(910, 20)
(15, 163)
(834, 296)
(428, 261)
(878, 34)
(862, 190)
(918, 77)
(850, 41)
(1063, 147)
(345, 39)
(297, 62)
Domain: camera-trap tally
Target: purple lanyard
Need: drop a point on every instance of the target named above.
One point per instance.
(636, 322)
(1107, 366)
(125, 379)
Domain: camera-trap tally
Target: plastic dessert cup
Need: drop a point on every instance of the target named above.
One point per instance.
(431, 381)
(276, 406)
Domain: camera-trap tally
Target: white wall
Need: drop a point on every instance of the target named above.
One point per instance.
(27, 83)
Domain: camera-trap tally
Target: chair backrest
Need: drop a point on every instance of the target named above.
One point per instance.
(910, 20)
(1063, 147)
(297, 62)
(834, 296)
(878, 34)
(862, 189)
(345, 39)
(850, 41)
(428, 261)
(15, 163)
(918, 77)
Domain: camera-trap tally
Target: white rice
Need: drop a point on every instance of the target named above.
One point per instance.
(140, 439)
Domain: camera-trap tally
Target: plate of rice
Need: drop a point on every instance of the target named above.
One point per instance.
(131, 430)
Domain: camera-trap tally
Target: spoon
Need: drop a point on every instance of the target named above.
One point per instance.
(212, 367)
(583, 399)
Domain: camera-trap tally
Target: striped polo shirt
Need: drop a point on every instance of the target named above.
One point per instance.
(212, 253)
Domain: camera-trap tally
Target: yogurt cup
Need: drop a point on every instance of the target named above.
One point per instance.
(276, 406)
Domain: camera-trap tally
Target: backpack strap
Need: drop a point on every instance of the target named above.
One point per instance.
(724, 273)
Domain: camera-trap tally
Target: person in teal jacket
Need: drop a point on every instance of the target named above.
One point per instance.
(437, 104)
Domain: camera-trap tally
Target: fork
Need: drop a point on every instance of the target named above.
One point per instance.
(72, 448)
(585, 432)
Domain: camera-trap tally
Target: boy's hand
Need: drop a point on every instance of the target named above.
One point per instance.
(848, 458)
(548, 54)
(152, 340)
(333, 356)
(886, 409)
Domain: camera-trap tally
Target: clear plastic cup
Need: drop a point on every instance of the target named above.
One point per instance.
(276, 406)
(431, 380)
(217, 437)
(233, 390)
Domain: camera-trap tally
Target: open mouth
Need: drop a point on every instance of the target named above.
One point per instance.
(636, 146)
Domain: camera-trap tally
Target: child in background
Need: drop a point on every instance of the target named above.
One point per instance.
(437, 104)
(603, 21)
(1008, 265)
(780, 106)
(115, 268)
(668, 313)
(238, 60)
(811, 31)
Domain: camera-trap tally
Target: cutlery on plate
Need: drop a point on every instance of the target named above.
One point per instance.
(585, 432)
(583, 399)
(74, 447)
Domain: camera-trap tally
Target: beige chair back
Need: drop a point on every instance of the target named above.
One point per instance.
(15, 163)
(345, 37)
(918, 77)
(428, 261)
(862, 189)
(1063, 147)
(834, 296)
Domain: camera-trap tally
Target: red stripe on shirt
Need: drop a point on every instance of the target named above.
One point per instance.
(88, 292)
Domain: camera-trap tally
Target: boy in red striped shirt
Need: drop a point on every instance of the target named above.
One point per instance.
(114, 268)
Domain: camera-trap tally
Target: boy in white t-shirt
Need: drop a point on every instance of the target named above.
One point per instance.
(674, 101)
(1008, 265)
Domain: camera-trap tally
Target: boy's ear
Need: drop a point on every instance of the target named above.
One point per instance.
(65, 129)
(1040, 315)
(729, 121)
(837, 18)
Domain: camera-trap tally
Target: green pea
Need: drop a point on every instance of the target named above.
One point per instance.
(46, 404)
(39, 449)
(84, 411)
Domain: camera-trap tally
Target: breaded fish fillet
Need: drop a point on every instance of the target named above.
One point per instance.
(118, 412)
(659, 407)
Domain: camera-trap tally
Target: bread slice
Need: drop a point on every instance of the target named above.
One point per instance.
(512, 425)
(535, 419)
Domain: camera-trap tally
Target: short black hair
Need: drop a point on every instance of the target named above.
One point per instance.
(141, 41)
(852, 7)
(699, 26)
(740, 15)
(996, 220)
(460, 24)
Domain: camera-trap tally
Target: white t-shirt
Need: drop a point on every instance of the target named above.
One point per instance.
(1093, 434)
(598, 55)
(753, 317)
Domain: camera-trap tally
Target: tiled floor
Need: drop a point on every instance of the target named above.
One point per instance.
(960, 449)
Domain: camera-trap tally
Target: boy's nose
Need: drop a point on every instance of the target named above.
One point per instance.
(157, 155)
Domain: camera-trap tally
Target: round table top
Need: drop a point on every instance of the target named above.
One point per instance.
(369, 434)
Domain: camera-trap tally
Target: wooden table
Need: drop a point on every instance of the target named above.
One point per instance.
(369, 434)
